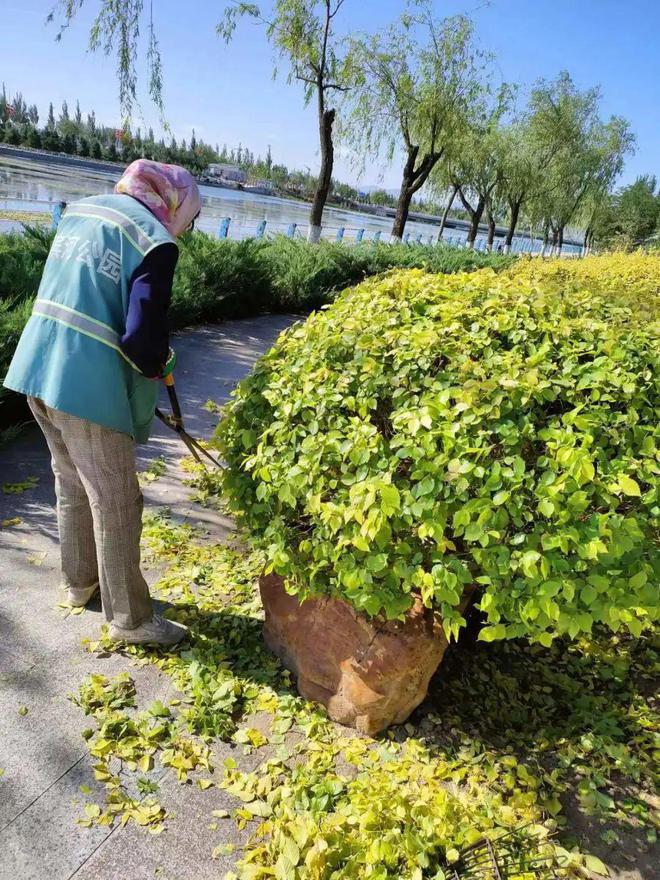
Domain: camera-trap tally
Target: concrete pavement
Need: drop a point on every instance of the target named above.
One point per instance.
(42, 754)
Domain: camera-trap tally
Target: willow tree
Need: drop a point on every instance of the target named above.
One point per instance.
(589, 161)
(531, 146)
(527, 151)
(587, 175)
(443, 190)
(597, 218)
(116, 30)
(474, 162)
(522, 169)
(302, 34)
(412, 86)
(590, 156)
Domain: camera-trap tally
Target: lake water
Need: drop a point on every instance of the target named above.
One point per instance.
(37, 186)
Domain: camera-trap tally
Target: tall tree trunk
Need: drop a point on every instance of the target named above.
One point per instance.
(413, 179)
(445, 213)
(326, 120)
(475, 219)
(553, 245)
(560, 240)
(513, 222)
(405, 194)
(546, 236)
(491, 231)
(475, 216)
(585, 242)
(474, 228)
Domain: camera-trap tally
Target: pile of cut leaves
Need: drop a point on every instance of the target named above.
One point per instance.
(512, 736)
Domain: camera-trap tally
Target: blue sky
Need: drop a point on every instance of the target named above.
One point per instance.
(228, 95)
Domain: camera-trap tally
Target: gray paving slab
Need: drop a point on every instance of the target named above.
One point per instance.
(182, 852)
(42, 662)
(43, 840)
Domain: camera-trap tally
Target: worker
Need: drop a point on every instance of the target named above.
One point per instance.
(89, 361)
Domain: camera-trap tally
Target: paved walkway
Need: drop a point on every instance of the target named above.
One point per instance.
(42, 755)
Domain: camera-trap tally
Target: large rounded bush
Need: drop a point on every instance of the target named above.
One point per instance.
(427, 432)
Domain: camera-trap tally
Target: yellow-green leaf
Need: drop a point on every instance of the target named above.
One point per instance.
(594, 864)
(629, 486)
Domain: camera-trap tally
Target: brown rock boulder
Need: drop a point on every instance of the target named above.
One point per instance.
(368, 673)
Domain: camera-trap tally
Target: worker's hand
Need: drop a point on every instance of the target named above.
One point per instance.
(171, 363)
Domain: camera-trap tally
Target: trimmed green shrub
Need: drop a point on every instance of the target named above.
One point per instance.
(22, 259)
(428, 432)
(12, 320)
(220, 278)
(304, 277)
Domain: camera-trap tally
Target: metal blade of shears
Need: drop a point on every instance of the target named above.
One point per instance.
(175, 422)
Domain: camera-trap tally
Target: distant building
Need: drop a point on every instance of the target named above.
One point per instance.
(228, 172)
(262, 185)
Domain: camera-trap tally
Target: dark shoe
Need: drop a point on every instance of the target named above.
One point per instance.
(157, 631)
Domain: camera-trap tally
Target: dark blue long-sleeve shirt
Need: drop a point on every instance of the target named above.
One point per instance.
(146, 340)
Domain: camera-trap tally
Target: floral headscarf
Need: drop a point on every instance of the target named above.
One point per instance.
(169, 191)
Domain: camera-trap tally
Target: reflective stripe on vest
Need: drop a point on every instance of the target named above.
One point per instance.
(131, 230)
(44, 308)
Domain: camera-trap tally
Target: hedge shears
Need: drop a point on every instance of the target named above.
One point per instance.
(174, 420)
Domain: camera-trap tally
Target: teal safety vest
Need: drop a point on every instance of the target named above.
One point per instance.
(69, 354)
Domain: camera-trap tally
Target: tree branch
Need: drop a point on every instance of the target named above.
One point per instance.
(468, 207)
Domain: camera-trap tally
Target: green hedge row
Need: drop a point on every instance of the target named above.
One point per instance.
(221, 279)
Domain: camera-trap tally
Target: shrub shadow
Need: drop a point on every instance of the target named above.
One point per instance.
(559, 708)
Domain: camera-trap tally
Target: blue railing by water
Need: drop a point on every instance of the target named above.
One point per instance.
(227, 228)
(265, 229)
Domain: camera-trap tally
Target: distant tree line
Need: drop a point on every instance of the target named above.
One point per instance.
(71, 133)
(627, 217)
(82, 135)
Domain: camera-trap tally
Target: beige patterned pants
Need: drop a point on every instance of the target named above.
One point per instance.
(99, 511)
